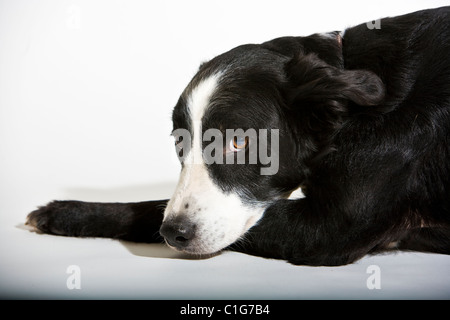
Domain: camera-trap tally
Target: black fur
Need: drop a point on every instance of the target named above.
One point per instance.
(364, 128)
(138, 222)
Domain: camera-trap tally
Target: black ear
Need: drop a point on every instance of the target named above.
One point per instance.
(320, 96)
(327, 47)
(311, 79)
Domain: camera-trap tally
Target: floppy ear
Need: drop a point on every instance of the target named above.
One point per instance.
(312, 79)
(315, 85)
(320, 95)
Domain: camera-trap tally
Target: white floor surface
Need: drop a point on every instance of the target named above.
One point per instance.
(35, 266)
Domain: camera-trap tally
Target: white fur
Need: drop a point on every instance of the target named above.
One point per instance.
(220, 218)
(297, 194)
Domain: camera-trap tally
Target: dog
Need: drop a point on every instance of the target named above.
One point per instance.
(359, 120)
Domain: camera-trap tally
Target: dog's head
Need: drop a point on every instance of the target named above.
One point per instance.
(246, 129)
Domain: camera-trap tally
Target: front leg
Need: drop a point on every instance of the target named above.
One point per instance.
(138, 221)
(306, 234)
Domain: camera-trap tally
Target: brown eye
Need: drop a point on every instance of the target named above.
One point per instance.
(238, 143)
(179, 145)
(179, 142)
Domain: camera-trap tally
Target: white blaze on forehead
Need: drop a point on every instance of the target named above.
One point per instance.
(199, 98)
(197, 104)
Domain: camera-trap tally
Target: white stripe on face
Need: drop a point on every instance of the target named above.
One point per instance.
(220, 218)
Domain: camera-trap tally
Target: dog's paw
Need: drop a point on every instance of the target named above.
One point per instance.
(48, 219)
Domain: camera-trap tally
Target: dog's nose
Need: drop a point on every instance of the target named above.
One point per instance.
(178, 232)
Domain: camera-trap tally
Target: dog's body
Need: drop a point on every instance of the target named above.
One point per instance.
(363, 120)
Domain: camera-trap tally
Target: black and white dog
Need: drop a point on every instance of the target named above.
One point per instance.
(359, 119)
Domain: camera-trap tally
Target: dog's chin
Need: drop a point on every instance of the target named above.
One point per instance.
(199, 250)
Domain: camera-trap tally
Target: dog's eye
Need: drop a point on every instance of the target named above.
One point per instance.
(178, 143)
(238, 143)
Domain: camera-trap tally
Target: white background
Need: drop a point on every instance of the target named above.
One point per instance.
(86, 92)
